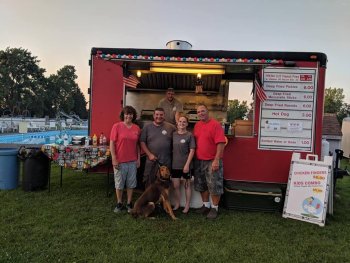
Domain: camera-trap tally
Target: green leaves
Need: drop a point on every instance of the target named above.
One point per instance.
(236, 110)
(23, 86)
(334, 103)
(63, 92)
(334, 98)
(21, 80)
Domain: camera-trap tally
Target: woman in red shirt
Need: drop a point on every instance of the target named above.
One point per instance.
(125, 151)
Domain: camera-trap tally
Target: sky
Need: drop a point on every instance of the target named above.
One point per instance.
(62, 32)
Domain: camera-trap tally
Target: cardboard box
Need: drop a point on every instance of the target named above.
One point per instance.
(243, 128)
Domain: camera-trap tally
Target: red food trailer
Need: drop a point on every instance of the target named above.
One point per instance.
(287, 94)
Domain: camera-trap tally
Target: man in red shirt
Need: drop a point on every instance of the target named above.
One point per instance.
(208, 173)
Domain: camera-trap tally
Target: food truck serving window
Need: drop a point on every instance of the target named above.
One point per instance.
(240, 110)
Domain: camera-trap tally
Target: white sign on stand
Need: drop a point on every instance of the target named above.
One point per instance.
(309, 186)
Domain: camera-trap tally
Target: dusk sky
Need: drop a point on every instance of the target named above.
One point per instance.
(63, 32)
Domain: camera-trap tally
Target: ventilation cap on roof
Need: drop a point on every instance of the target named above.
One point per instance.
(178, 44)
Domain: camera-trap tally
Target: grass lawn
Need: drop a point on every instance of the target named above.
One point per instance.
(77, 224)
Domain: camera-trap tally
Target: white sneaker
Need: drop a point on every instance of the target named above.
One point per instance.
(118, 208)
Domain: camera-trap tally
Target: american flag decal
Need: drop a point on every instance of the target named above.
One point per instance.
(131, 81)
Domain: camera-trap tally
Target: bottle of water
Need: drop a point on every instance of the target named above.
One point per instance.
(229, 132)
(87, 140)
(65, 139)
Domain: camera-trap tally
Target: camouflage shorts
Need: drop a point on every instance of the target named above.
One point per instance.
(207, 180)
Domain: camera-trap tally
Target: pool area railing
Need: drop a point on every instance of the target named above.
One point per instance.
(25, 124)
(41, 137)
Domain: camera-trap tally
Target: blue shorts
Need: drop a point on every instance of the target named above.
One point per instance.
(207, 180)
(125, 175)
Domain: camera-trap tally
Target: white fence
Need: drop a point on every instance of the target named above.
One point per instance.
(24, 125)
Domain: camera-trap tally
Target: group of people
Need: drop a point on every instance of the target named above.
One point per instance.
(167, 141)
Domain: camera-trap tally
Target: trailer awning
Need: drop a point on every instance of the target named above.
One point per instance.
(237, 65)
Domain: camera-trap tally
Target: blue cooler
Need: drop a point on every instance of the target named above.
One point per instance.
(8, 168)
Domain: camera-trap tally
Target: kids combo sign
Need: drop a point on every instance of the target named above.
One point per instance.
(308, 189)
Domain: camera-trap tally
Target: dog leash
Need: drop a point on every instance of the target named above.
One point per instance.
(158, 163)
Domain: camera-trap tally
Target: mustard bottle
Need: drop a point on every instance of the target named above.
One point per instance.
(94, 140)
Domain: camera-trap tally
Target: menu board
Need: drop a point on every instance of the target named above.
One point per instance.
(287, 116)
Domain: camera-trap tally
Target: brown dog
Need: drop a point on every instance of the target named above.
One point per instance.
(157, 192)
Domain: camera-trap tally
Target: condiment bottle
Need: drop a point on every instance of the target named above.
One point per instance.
(94, 140)
(100, 142)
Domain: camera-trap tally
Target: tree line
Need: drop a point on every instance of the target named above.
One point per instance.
(25, 91)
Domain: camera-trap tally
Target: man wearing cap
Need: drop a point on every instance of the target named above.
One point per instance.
(172, 107)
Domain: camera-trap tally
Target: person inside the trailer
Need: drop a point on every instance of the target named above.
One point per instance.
(172, 106)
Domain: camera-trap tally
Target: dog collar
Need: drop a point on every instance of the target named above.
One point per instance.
(164, 180)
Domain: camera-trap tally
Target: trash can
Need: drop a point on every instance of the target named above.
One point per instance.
(8, 168)
(36, 169)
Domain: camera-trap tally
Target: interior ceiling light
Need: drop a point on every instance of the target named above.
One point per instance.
(189, 68)
(186, 65)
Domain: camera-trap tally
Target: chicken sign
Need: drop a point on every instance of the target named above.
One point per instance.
(308, 189)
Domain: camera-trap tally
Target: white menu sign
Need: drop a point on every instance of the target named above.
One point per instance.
(287, 116)
(309, 186)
